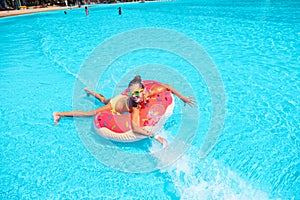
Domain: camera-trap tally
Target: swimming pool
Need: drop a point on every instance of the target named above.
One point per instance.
(255, 47)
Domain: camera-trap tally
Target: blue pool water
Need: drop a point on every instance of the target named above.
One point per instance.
(255, 47)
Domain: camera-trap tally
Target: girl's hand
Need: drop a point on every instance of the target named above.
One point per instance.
(189, 100)
(161, 140)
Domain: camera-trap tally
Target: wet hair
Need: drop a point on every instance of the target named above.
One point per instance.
(137, 80)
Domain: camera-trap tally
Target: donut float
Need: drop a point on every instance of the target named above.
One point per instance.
(153, 115)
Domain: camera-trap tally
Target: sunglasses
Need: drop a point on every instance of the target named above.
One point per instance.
(136, 93)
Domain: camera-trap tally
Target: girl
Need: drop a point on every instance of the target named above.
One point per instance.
(131, 103)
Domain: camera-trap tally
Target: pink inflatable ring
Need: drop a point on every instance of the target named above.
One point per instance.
(153, 115)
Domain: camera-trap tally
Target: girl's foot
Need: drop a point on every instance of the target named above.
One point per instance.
(56, 117)
(88, 92)
(100, 97)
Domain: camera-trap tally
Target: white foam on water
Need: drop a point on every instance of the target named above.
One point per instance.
(207, 178)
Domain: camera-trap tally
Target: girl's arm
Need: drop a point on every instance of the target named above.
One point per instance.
(136, 128)
(162, 87)
(135, 123)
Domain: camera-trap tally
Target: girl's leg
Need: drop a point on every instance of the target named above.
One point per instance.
(98, 96)
(78, 113)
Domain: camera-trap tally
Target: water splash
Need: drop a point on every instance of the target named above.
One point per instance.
(209, 179)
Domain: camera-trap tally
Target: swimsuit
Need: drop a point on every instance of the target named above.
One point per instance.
(114, 101)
